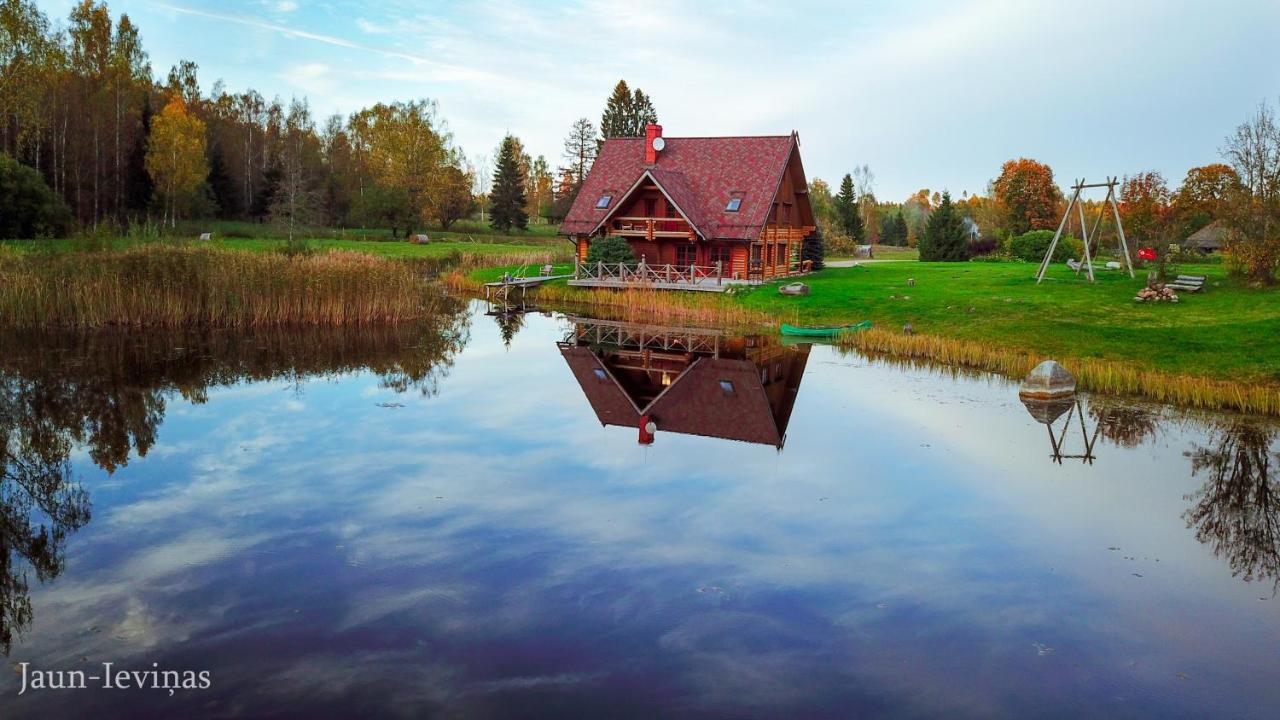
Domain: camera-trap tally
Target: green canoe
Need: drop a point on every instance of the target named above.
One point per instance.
(827, 331)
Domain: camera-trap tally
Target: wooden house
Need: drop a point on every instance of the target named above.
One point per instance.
(695, 208)
(687, 381)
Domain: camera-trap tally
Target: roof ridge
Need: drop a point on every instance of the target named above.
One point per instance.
(701, 137)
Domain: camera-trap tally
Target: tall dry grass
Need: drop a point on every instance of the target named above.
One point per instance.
(1093, 374)
(161, 285)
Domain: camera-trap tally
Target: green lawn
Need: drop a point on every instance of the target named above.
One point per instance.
(1228, 330)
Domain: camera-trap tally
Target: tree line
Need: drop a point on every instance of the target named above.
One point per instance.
(80, 106)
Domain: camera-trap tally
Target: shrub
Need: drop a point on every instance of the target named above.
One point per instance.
(980, 246)
(30, 207)
(1031, 246)
(610, 250)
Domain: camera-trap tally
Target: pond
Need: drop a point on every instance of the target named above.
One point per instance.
(542, 516)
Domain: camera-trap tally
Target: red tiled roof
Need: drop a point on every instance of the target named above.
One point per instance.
(700, 174)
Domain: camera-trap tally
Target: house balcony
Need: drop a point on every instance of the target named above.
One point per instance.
(650, 228)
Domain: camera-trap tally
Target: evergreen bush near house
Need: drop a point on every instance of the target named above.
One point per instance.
(29, 208)
(814, 249)
(945, 237)
(610, 250)
(1031, 246)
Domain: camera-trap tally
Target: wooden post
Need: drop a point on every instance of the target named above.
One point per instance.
(1088, 259)
(719, 272)
(1044, 264)
(1124, 244)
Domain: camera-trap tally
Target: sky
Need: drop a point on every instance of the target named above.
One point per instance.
(928, 94)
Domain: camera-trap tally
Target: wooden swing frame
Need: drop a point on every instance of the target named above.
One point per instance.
(1077, 204)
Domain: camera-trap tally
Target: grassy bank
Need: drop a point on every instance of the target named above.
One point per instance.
(161, 285)
(478, 250)
(1216, 349)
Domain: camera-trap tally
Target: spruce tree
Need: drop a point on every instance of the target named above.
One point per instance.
(888, 229)
(642, 112)
(900, 230)
(508, 195)
(945, 237)
(618, 109)
(846, 204)
(626, 112)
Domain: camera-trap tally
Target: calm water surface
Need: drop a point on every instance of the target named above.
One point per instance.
(468, 519)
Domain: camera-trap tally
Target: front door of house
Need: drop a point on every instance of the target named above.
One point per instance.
(686, 255)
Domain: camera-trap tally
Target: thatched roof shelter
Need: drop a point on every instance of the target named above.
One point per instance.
(1208, 238)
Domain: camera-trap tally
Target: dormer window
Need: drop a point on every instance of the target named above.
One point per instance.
(734, 204)
(603, 202)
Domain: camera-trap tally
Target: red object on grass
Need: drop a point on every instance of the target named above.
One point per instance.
(1146, 253)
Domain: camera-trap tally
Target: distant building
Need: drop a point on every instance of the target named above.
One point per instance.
(738, 206)
(1207, 239)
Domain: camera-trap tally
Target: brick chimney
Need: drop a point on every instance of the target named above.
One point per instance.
(651, 132)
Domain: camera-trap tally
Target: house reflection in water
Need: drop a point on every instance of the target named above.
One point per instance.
(686, 380)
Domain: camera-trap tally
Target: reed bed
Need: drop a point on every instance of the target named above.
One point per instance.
(1093, 374)
(162, 285)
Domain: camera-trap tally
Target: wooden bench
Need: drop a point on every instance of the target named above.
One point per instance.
(1187, 283)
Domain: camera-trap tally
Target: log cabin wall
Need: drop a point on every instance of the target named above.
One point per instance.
(790, 220)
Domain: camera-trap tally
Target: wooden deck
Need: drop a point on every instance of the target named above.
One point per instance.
(502, 289)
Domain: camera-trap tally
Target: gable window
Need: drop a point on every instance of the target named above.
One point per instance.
(650, 207)
(603, 202)
(786, 212)
(734, 204)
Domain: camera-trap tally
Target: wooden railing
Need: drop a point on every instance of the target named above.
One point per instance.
(643, 272)
(637, 336)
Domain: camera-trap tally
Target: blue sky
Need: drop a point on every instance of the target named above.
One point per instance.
(929, 94)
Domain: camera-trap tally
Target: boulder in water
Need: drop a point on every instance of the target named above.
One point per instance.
(1048, 380)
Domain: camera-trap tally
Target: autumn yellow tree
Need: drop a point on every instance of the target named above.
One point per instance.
(175, 157)
(405, 149)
